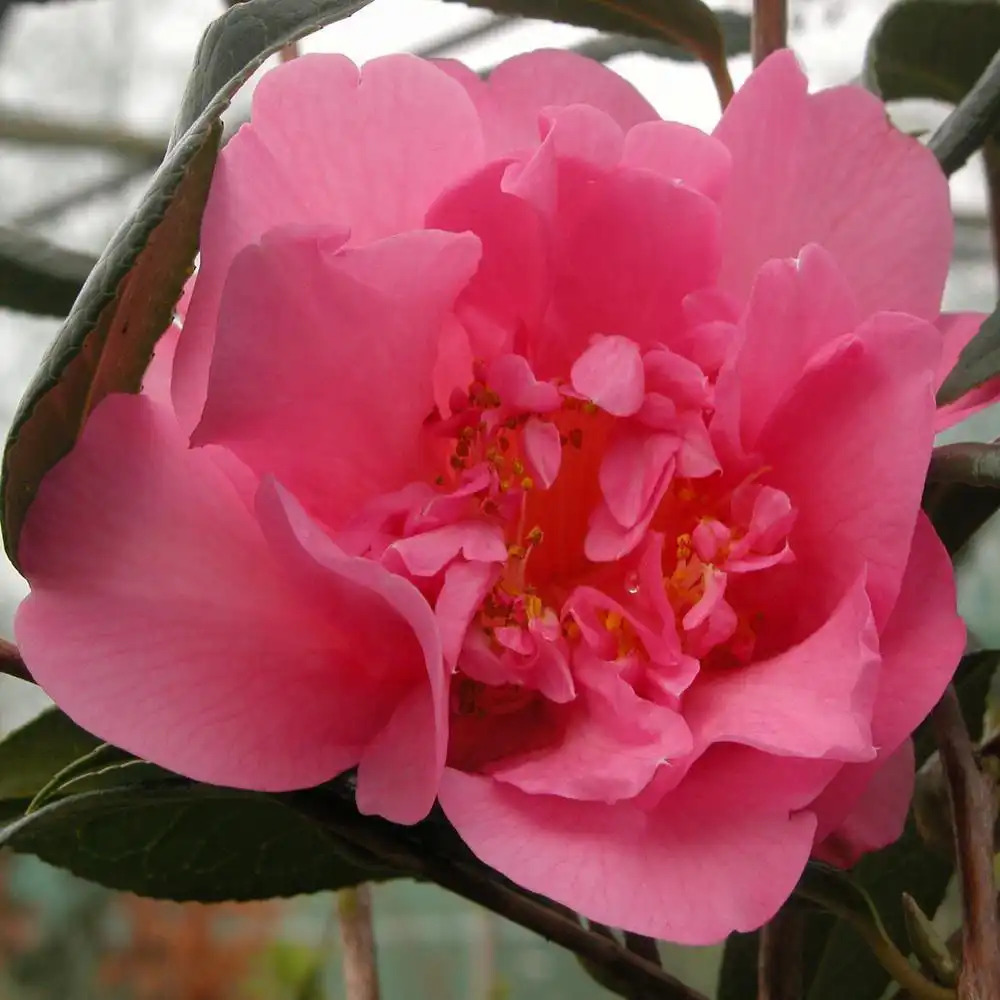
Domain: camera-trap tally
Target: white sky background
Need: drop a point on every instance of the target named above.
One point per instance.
(124, 62)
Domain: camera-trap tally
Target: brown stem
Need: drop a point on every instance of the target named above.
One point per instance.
(394, 847)
(288, 52)
(779, 962)
(974, 813)
(644, 947)
(12, 664)
(769, 30)
(357, 935)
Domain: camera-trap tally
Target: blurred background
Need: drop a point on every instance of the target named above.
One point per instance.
(88, 89)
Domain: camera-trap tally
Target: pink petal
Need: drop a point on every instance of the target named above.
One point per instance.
(465, 587)
(511, 286)
(612, 276)
(580, 142)
(607, 539)
(399, 769)
(652, 872)
(921, 646)
(830, 169)
(814, 700)
(428, 553)
(542, 451)
(922, 641)
(327, 145)
(801, 305)
(612, 744)
(850, 446)
(632, 471)
(319, 377)
(679, 152)
(514, 382)
(610, 374)
(880, 809)
(161, 620)
(156, 381)
(518, 89)
(958, 330)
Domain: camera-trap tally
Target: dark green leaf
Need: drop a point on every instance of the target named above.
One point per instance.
(848, 968)
(927, 945)
(837, 892)
(932, 48)
(188, 842)
(738, 975)
(32, 755)
(735, 28)
(978, 362)
(689, 24)
(126, 303)
(39, 277)
(958, 511)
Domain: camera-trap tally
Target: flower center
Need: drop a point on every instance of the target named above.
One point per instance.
(612, 555)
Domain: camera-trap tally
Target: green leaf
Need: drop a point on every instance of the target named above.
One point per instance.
(188, 842)
(32, 755)
(689, 24)
(37, 276)
(932, 48)
(977, 364)
(735, 27)
(847, 967)
(126, 303)
(738, 975)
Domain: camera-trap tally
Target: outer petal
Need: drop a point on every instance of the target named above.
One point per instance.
(679, 872)
(511, 286)
(611, 276)
(161, 620)
(796, 308)
(323, 369)
(327, 144)
(819, 169)
(850, 446)
(400, 767)
(814, 700)
(612, 744)
(517, 90)
(156, 381)
(921, 646)
(958, 330)
(884, 788)
(681, 153)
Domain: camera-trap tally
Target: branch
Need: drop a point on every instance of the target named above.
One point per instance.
(481, 29)
(779, 963)
(970, 124)
(37, 276)
(972, 463)
(402, 848)
(22, 128)
(769, 27)
(974, 814)
(11, 663)
(51, 208)
(358, 938)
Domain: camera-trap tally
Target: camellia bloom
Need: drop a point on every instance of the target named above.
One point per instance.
(529, 452)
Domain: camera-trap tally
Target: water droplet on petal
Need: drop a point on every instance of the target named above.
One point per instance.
(632, 583)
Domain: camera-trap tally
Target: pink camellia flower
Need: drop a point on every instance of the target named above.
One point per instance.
(527, 451)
